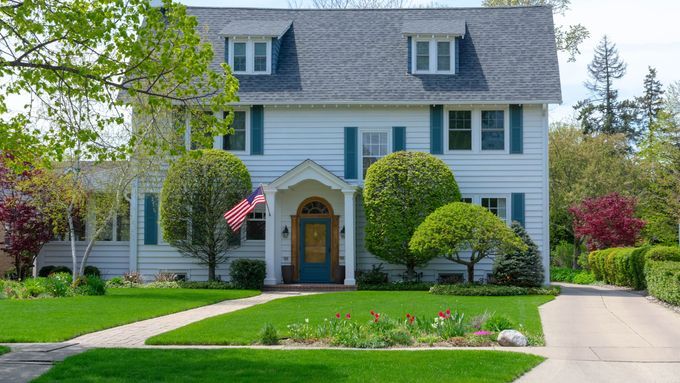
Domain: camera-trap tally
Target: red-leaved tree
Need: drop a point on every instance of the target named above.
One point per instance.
(607, 221)
(26, 229)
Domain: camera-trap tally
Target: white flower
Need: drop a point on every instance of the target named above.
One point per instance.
(306, 320)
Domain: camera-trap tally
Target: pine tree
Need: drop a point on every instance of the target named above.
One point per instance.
(652, 101)
(523, 268)
(603, 113)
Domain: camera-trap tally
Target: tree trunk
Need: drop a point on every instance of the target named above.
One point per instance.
(410, 273)
(211, 272)
(72, 234)
(577, 253)
(470, 272)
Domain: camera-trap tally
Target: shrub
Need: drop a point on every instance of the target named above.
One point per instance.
(562, 274)
(198, 188)
(663, 280)
(519, 268)
(212, 285)
(115, 282)
(89, 285)
(375, 276)
(664, 253)
(59, 285)
(458, 229)
(268, 335)
(584, 278)
(400, 190)
(397, 286)
(133, 277)
(248, 273)
(492, 290)
(35, 287)
(498, 323)
(163, 285)
(165, 277)
(45, 271)
(92, 271)
(620, 266)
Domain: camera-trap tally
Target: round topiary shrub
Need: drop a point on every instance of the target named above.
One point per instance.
(198, 189)
(92, 271)
(400, 190)
(520, 268)
(248, 274)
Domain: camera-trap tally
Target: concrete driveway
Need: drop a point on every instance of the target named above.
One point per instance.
(601, 334)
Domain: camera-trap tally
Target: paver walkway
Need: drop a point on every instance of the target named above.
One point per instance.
(602, 334)
(28, 361)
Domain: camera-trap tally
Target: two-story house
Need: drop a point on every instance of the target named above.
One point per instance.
(325, 93)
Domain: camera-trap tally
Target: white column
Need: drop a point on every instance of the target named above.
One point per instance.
(270, 239)
(350, 241)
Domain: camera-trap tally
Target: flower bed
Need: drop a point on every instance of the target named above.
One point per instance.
(492, 290)
(446, 328)
(53, 286)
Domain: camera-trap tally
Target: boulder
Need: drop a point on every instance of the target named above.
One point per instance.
(512, 338)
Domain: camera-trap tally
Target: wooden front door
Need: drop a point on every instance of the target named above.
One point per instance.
(314, 245)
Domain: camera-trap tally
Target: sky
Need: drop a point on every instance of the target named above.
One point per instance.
(645, 32)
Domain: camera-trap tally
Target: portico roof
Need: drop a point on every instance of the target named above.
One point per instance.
(309, 170)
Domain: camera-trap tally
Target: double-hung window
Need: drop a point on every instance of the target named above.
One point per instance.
(498, 206)
(443, 56)
(255, 226)
(460, 130)
(493, 130)
(433, 56)
(250, 56)
(374, 145)
(237, 140)
(422, 56)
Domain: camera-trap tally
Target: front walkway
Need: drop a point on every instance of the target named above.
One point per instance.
(602, 334)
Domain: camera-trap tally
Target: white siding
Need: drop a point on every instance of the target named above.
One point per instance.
(111, 258)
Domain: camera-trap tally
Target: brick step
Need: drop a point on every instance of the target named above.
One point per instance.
(309, 287)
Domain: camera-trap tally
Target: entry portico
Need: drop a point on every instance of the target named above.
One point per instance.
(310, 227)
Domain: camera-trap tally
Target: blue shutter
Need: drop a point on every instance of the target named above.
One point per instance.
(398, 138)
(257, 130)
(516, 129)
(409, 48)
(456, 53)
(351, 153)
(150, 219)
(436, 129)
(518, 208)
(226, 50)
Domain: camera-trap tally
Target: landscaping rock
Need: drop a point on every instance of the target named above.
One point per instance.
(512, 338)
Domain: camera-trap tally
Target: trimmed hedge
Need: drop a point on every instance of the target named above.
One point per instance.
(620, 266)
(492, 290)
(663, 280)
(664, 253)
(565, 274)
(396, 286)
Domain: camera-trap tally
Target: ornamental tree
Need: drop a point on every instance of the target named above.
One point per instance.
(199, 188)
(607, 221)
(455, 230)
(400, 190)
(519, 268)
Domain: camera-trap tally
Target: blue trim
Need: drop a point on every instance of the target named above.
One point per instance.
(456, 53)
(315, 272)
(518, 204)
(436, 129)
(226, 50)
(410, 53)
(150, 219)
(516, 129)
(276, 47)
(256, 130)
(398, 138)
(351, 153)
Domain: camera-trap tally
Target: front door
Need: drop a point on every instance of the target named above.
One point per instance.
(315, 250)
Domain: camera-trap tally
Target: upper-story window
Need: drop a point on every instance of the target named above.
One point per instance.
(460, 130)
(374, 146)
(493, 130)
(434, 55)
(237, 140)
(251, 56)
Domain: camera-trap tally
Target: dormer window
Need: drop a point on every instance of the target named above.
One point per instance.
(433, 55)
(250, 56)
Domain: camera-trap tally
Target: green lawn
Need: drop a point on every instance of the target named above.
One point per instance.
(243, 326)
(4, 350)
(58, 319)
(248, 365)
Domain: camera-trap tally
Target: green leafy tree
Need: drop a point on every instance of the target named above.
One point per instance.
(603, 113)
(400, 190)
(583, 166)
(458, 229)
(95, 61)
(568, 37)
(196, 193)
(520, 268)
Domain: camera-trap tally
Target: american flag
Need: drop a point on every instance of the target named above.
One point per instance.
(238, 213)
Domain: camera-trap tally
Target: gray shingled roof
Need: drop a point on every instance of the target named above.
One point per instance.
(360, 56)
(267, 28)
(434, 26)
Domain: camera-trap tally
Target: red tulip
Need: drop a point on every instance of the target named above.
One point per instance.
(337, 315)
(448, 311)
(348, 316)
(372, 312)
(441, 314)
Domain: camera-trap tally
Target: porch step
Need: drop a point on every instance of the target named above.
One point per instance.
(309, 287)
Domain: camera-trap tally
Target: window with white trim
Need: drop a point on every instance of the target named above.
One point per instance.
(237, 140)
(433, 56)
(374, 146)
(493, 130)
(251, 56)
(460, 130)
(498, 206)
(256, 225)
